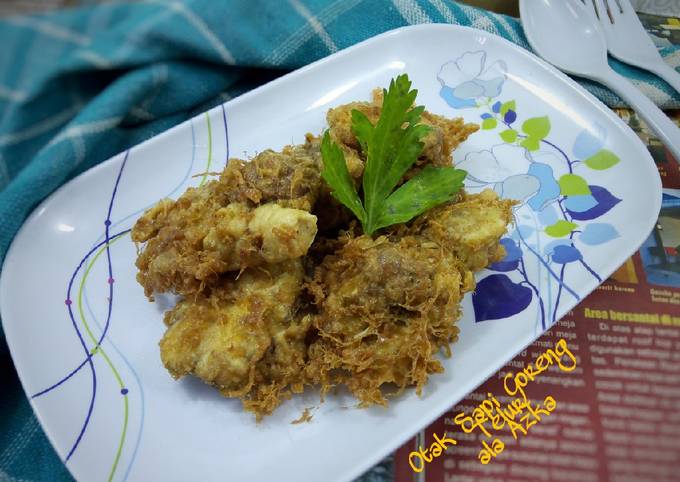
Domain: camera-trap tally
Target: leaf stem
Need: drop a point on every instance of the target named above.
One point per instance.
(522, 136)
(591, 270)
(559, 293)
(569, 163)
(522, 270)
(547, 266)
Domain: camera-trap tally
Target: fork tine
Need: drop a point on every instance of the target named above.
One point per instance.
(625, 6)
(602, 14)
(614, 10)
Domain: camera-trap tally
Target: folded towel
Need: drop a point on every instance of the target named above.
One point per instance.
(81, 85)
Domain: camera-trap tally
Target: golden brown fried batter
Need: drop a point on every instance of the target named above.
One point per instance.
(282, 291)
(470, 229)
(243, 337)
(256, 213)
(291, 177)
(385, 308)
(267, 234)
(281, 371)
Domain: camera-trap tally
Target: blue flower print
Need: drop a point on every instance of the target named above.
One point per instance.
(466, 79)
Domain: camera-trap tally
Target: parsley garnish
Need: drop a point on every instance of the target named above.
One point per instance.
(391, 146)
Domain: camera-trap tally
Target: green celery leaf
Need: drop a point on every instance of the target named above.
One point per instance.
(336, 175)
(413, 115)
(391, 148)
(430, 187)
(362, 129)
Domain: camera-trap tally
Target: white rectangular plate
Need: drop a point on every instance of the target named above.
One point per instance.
(118, 413)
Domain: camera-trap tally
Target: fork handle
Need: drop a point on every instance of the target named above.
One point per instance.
(658, 122)
(666, 72)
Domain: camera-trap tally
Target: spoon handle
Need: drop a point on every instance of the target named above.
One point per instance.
(658, 122)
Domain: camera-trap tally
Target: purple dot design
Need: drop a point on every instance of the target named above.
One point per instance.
(124, 391)
(88, 359)
(110, 281)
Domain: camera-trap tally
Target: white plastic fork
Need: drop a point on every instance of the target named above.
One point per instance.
(568, 36)
(627, 39)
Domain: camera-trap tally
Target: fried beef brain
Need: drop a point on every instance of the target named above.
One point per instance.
(244, 337)
(281, 291)
(385, 308)
(256, 213)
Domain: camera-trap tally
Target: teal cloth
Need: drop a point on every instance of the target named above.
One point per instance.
(81, 85)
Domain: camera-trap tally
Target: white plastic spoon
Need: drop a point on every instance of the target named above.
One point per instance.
(565, 34)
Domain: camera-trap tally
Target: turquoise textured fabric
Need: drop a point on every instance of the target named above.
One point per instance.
(80, 85)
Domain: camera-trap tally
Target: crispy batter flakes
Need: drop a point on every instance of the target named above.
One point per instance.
(306, 416)
(280, 291)
(385, 308)
(256, 213)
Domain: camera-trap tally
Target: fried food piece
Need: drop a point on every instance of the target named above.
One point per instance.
(470, 229)
(291, 177)
(267, 234)
(281, 292)
(244, 337)
(196, 245)
(385, 308)
(445, 135)
(281, 371)
(340, 128)
(256, 213)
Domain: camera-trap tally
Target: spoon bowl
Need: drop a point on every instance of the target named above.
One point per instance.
(565, 34)
(568, 36)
